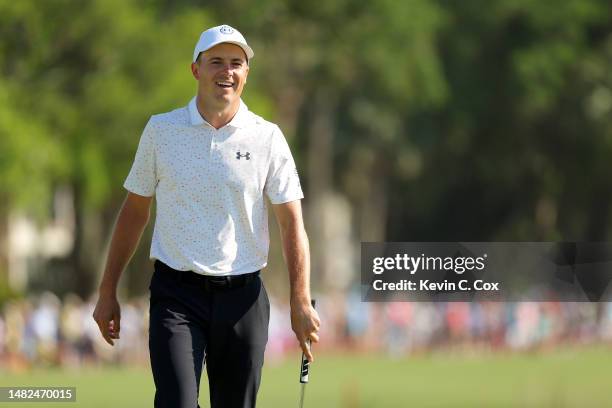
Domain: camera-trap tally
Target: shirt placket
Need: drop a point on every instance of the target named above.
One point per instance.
(214, 143)
(211, 145)
(212, 134)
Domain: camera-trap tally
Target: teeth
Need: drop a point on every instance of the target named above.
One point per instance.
(224, 84)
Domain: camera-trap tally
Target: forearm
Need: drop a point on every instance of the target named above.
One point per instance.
(297, 256)
(304, 319)
(126, 236)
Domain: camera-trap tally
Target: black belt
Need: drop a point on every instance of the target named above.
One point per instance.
(208, 282)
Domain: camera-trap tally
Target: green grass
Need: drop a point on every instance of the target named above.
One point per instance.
(567, 378)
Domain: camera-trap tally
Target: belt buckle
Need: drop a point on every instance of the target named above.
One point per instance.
(221, 281)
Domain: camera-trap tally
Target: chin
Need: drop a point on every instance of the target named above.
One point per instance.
(225, 99)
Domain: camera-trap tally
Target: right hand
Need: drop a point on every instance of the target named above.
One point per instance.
(107, 315)
(305, 323)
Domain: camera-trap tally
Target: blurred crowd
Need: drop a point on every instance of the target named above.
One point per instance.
(46, 330)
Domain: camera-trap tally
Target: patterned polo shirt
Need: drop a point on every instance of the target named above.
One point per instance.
(210, 187)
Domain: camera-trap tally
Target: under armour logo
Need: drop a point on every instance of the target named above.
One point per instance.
(247, 155)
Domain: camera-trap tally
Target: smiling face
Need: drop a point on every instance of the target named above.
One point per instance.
(221, 73)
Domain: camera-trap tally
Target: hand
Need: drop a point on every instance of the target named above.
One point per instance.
(107, 315)
(305, 323)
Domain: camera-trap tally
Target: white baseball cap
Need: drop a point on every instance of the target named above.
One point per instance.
(218, 35)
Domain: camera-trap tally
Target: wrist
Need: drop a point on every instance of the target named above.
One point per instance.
(301, 301)
(107, 291)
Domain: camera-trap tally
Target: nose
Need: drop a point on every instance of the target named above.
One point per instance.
(227, 67)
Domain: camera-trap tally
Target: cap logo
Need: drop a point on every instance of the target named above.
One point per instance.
(226, 29)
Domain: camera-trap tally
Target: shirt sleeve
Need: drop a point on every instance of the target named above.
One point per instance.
(142, 178)
(283, 181)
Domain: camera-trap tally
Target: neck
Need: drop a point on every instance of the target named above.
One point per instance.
(217, 117)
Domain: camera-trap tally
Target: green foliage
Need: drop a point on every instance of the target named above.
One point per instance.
(80, 84)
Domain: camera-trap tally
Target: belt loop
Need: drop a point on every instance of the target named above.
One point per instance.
(180, 276)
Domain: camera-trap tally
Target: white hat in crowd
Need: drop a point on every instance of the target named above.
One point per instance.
(218, 35)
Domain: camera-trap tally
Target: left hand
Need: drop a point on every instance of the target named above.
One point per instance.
(305, 323)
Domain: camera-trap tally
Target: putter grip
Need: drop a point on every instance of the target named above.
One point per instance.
(305, 366)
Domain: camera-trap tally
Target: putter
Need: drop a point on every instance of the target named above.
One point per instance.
(304, 368)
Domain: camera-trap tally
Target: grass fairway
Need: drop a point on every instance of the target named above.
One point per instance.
(567, 378)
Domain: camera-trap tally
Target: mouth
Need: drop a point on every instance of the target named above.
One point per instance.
(224, 84)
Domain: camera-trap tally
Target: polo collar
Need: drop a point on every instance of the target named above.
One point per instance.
(240, 119)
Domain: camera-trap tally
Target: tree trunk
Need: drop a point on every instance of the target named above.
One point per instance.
(320, 179)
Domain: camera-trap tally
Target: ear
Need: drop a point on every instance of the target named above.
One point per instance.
(195, 70)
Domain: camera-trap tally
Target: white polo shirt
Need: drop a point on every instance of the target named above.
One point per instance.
(210, 186)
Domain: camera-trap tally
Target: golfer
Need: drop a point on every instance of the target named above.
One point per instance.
(211, 165)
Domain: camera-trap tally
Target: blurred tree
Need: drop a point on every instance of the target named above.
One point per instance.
(76, 88)
(520, 149)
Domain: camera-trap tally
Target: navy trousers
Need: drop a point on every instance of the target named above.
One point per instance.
(194, 323)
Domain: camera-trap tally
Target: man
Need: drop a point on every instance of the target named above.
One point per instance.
(210, 165)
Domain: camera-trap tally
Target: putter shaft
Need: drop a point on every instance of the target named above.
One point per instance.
(302, 395)
(305, 367)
